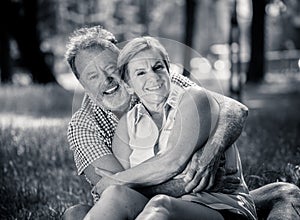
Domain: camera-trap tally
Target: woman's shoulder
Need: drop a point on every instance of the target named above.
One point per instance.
(195, 94)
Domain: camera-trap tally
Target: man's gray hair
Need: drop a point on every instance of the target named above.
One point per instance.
(93, 38)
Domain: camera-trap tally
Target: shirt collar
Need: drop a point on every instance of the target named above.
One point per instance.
(140, 112)
(96, 108)
(170, 103)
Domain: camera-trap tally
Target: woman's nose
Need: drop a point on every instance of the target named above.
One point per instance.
(153, 74)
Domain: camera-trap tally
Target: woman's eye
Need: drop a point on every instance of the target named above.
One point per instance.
(140, 73)
(158, 67)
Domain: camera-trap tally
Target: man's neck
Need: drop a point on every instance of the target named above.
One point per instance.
(119, 114)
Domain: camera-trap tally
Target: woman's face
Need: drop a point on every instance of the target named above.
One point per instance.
(149, 78)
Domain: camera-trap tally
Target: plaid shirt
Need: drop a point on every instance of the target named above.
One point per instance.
(92, 128)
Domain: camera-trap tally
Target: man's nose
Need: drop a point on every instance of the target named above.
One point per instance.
(103, 84)
(109, 79)
(112, 74)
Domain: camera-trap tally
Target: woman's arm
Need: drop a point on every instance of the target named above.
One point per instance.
(120, 144)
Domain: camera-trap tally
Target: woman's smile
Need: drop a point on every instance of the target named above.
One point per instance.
(155, 87)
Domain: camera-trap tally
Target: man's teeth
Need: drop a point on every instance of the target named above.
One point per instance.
(111, 90)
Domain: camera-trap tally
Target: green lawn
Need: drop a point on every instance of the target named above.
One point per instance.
(37, 173)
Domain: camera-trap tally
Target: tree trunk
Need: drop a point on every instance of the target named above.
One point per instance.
(144, 7)
(5, 64)
(235, 80)
(5, 61)
(256, 68)
(190, 6)
(22, 24)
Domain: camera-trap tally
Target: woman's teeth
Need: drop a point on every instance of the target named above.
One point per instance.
(154, 88)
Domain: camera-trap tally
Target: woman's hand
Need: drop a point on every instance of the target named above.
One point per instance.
(200, 175)
(108, 179)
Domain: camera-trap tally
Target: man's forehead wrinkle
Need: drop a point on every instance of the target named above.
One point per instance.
(91, 62)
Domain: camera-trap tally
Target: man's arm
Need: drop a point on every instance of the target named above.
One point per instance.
(233, 115)
(232, 118)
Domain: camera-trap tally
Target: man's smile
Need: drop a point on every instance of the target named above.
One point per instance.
(111, 88)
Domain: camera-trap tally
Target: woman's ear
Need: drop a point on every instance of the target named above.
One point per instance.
(129, 88)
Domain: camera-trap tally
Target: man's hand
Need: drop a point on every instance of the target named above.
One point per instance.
(200, 175)
(210, 176)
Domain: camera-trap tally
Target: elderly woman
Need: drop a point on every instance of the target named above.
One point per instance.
(166, 116)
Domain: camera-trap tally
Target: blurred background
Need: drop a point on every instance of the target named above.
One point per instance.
(229, 34)
(246, 49)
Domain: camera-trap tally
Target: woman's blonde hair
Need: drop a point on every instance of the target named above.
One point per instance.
(136, 46)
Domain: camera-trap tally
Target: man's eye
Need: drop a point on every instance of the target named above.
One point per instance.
(110, 69)
(93, 77)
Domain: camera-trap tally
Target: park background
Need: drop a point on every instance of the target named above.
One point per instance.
(249, 50)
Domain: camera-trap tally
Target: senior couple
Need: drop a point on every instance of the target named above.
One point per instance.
(169, 155)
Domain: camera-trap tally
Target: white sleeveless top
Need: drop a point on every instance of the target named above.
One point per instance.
(144, 136)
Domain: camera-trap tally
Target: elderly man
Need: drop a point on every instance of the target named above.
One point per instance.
(92, 56)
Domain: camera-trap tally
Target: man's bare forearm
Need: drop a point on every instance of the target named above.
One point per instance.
(232, 117)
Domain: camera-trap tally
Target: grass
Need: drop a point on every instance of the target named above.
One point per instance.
(269, 145)
(38, 178)
(37, 172)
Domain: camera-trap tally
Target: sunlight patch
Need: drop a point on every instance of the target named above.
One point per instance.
(25, 121)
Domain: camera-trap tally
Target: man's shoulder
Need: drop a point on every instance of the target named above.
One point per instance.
(84, 117)
(181, 80)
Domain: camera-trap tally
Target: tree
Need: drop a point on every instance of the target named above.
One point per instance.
(190, 6)
(20, 23)
(235, 81)
(257, 62)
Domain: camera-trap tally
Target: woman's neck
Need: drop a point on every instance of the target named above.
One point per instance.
(156, 113)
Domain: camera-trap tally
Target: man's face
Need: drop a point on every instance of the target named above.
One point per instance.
(149, 77)
(99, 77)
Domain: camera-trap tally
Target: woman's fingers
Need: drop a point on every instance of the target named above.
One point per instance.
(211, 182)
(102, 172)
(202, 185)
